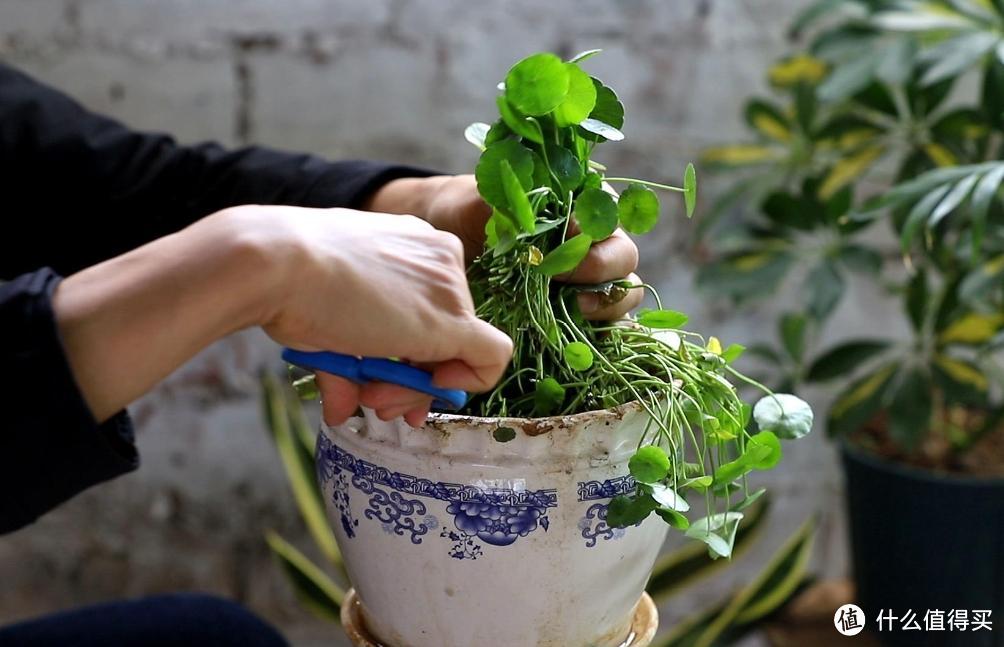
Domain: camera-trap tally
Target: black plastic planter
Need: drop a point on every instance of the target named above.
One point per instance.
(925, 541)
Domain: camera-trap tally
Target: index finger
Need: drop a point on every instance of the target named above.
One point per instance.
(483, 354)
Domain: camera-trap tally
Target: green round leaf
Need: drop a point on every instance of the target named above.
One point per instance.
(578, 356)
(596, 212)
(518, 123)
(690, 189)
(608, 111)
(626, 511)
(673, 518)
(548, 396)
(579, 101)
(666, 319)
(566, 169)
(565, 256)
(650, 464)
(488, 172)
(763, 451)
(638, 209)
(784, 414)
(537, 84)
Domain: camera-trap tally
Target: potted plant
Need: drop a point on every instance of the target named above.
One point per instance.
(873, 143)
(535, 515)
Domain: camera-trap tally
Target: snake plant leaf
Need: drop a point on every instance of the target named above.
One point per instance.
(674, 572)
(580, 99)
(784, 414)
(290, 432)
(312, 586)
(537, 84)
(565, 256)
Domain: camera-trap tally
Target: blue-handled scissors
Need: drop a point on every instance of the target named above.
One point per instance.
(377, 369)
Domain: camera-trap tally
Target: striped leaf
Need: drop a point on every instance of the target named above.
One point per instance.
(312, 586)
(294, 441)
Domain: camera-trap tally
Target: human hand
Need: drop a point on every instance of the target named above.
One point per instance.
(373, 285)
(452, 203)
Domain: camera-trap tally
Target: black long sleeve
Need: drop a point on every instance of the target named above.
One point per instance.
(77, 188)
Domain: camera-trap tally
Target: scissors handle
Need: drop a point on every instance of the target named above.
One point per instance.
(370, 369)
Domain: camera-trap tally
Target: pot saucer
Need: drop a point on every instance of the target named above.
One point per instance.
(643, 625)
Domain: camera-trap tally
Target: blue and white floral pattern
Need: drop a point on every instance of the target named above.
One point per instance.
(495, 516)
(594, 524)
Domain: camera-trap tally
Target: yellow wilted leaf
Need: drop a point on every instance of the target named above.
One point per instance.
(940, 155)
(771, 127)
(961, 372)
(795, 69)
(861, 392)
(974, 328)
(848, 169)
(740, 154)
(714, 346)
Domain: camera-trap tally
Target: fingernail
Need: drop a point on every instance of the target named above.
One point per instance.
(589, 302)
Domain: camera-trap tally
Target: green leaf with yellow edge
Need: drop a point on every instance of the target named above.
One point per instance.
(859, 401)
(972, 328)
(768, 120)
(848, 170)
(979, 206)
(285, 419)
(673, 572)
(519, 204)
(793, 70)
(580, 99)
(312, 586)
(537, 84)
(741, 154)
(962, 372)
(565, 256)
(985, 277)
(940, 155)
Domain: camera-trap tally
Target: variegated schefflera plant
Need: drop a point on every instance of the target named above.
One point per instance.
(873, 159)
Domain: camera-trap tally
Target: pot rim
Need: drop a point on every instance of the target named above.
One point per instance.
(437, 418)
(877, 461)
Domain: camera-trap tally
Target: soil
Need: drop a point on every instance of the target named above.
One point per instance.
(936, 453)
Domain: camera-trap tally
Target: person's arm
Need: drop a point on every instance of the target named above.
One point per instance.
(79, 188)
(77, 351)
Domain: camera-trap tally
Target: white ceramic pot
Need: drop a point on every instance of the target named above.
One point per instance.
(489, 532)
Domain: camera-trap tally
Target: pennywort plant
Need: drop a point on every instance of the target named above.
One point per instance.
(551, 201)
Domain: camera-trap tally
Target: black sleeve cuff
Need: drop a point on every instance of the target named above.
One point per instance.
(350, 183)
(51, 447)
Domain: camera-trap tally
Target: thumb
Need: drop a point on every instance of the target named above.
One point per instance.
(483, 353)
